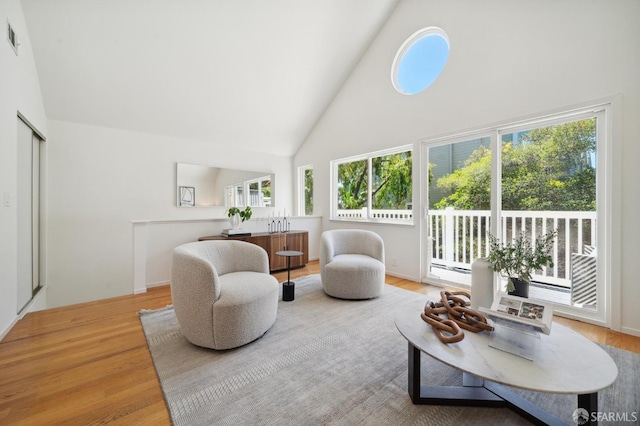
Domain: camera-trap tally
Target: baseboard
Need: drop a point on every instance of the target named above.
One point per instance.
(631, 331)
(38, 303)
(9, 327)
(150, 285)
(576, 317)
(158, 284)
(404, 277)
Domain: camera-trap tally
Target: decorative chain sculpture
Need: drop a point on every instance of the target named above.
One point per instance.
(458, 316)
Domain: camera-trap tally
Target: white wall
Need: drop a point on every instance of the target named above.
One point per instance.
(509, 59)
(19, 92)
(156, 241)
(100, 180)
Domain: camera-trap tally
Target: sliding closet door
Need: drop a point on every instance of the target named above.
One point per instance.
(28, 210)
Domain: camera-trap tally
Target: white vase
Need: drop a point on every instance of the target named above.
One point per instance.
(481, 284)
(235, 221)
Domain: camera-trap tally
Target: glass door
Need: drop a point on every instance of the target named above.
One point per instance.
(529, 178)
(459, 206)
(548, 181)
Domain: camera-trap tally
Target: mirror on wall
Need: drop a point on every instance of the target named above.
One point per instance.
(204, 186)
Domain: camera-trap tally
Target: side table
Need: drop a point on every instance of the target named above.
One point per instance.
(288, 287)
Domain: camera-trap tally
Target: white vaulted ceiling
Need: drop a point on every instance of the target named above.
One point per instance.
(250, 72)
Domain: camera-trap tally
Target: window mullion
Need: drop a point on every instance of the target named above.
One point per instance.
(496, 183)
(369, 188)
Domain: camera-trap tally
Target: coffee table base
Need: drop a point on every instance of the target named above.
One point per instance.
(483, 393)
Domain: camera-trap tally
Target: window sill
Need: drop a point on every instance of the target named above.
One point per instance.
(399, 222)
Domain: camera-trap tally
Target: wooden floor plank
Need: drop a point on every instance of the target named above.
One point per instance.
(89, 363)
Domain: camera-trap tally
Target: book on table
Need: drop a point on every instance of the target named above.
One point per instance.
(533, 312)
(236, 233)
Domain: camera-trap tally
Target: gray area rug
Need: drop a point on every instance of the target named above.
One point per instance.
(336, 362)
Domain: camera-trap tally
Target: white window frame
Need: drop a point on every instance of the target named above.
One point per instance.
(607, 190)
(407, 219)
(404, 48)
(301, 195)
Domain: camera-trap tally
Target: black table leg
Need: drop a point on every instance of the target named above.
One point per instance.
(589, 402)
(288, 288)
(446, 395)
(483, 393)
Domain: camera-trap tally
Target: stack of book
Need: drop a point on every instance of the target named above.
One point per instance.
(236, 233)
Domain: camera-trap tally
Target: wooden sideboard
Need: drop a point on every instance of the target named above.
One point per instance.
(292, 240)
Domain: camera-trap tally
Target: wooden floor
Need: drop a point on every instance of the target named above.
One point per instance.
(89, 363)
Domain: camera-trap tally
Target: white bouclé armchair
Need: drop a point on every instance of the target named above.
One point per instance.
(352, 263)
(222, 293)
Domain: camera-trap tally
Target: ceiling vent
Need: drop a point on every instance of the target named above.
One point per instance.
(12, 38)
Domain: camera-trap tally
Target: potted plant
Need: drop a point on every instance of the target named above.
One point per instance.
(238, 216)
(518, 259)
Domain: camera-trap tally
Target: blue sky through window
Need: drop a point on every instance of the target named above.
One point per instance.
(422, 63)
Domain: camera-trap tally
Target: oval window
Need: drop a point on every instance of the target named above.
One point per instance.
(420, 60)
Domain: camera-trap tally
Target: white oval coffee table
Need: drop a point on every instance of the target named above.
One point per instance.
(565, 362)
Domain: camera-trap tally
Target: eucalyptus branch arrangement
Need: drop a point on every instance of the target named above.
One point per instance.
(519, 258)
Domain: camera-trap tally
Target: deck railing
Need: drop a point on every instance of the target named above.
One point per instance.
(458, 237)
(376, 214)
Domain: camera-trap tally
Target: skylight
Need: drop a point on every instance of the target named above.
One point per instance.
(420, 60)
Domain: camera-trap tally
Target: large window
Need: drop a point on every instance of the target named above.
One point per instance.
(526, 178)
(375, 187)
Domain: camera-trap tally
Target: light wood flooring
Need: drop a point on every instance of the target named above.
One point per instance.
(89, 364)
